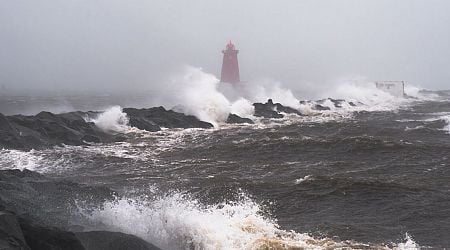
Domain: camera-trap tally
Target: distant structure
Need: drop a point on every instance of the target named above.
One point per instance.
(395, 88)
(230, 66)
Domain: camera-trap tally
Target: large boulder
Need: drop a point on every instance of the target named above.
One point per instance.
(47, 129)
(235, 119)
(44, 200)
(153, 118)
(273, 110)
(11, 236)
(103, 240)
(49, 238)
(9, 136)
(75, 128)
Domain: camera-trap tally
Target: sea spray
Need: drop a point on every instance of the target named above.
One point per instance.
(177, 221)
(260, 91)
(194, 92)
(446, 119)
(243, 107)
(112, 120)
(366, 93)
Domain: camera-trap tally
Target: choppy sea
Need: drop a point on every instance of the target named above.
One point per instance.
(350, 178)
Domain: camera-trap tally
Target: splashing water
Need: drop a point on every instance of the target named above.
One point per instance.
(16, 159)
(177, 221)
(446, 119)
(113, 120)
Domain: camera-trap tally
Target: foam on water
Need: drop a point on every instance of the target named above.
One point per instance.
(16, 159)
(177, 221)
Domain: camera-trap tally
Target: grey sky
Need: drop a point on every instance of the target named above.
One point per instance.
(118, 45)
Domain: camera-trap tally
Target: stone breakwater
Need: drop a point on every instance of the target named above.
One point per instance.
(46, 129)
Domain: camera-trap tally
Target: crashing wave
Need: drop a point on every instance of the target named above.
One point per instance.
(177, 221)
(112, 120)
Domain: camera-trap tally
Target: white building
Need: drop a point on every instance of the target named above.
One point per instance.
(395, 88)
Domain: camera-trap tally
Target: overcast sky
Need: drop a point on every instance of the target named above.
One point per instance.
(118, 45)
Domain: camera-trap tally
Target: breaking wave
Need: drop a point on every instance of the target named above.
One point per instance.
(201, 94)
(177, 221)
(112, 120)
(446, 119)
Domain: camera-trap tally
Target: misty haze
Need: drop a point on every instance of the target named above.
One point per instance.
(310, 124)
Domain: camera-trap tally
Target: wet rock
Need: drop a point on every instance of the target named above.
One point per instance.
(102, 240)
(47, 129)
(44, 200)
(11, 236)
(46, 238)
(41, 208)
(9, 136)
(272, 110)
(337, 102)
(152, 119)
(235, 119)
(320, 107)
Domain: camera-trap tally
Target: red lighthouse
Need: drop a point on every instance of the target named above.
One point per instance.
(230, 66)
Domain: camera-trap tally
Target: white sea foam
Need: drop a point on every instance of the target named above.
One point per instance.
(366, 93)
(414, 128)
(16, 159)
(177, 221)
(112, 120)
(300, 180)
(446, 119)
(409, 244)
(441, 116)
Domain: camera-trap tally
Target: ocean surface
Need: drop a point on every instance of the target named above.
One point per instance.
(364, 177)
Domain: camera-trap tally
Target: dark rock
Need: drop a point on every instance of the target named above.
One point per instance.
(44, 238)
(11, 236)
(235, 119)
(44, 207)
(272, 110)
(320, 107)
(44, 200)
(47, 129)
(102, 240)
(337, 102)
(153, 119)
(9, 136)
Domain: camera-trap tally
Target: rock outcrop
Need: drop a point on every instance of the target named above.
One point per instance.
(235, 119)
(49, 238)
(103, 240)
(152, 119)
(75, 128)
(273, 110)
(11, 236)
(47, 129)
(35, 211)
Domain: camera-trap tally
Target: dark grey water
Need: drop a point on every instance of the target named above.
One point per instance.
(368, 177)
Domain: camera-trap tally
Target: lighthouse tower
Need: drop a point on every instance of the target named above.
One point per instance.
(230, 66)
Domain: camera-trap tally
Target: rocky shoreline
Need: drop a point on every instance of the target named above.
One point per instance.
(35, 212)
(46, 129)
